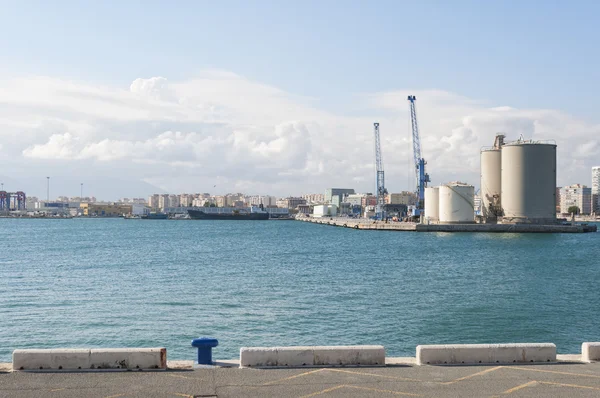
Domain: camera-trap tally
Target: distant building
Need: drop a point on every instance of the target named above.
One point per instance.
(355, 199)
(324, 211)
(257, 200)
(221, 201)
(186, 200)
(153, 201)
(596, 188)
(576, 195)
(313, 198)
(105, 209)
(477, 204)
(174, 201)
(163, 201)
(558, 199)
(402, 198)
(368, 200)
(331, 192)
(290, 202)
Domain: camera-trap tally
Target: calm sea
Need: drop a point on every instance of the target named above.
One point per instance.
(139, 283)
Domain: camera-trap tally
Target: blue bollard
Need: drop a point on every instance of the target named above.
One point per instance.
(205, 345)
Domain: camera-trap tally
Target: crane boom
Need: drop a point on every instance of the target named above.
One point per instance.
(422, 178)
(380, 178)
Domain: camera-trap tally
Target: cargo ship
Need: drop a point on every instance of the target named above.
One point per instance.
(229, 213)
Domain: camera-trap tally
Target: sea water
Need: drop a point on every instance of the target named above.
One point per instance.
(148, 283)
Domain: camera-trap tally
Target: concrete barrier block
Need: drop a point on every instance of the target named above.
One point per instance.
(312, 356)
(258, 356)
(485, 353)
(590, 352)
(128, 358)
(50, 359)
(295, 356)
(83, 359)
(350, 355)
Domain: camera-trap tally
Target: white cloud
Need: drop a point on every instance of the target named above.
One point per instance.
(222, 128)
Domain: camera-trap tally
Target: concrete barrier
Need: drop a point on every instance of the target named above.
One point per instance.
(83, 359)
(590, 352)
(365, 355)
(485, 353)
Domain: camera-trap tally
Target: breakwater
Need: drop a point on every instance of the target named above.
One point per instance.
(416, 227)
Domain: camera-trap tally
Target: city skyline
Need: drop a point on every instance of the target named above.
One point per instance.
(249, 110)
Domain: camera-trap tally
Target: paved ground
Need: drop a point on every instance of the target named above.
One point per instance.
(551, 380)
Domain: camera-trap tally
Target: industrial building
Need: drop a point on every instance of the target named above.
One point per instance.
(339, 192)
(13, 201)
(451, 203)
(518, 182)
(105, 209)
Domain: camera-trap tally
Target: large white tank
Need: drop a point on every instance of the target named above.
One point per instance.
(457, 202)
(432, 203)
(529, 182)
(491, 178)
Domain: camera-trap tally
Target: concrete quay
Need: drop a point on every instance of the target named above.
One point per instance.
(399, 378)
(363, 224)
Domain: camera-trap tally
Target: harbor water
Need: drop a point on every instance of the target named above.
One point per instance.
(140, 283)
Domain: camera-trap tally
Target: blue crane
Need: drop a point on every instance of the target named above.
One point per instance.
(422, 176)
(381, 191)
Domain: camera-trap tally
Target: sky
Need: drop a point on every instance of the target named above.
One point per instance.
(272, 97)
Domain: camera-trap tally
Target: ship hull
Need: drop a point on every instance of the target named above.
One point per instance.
(200, 215)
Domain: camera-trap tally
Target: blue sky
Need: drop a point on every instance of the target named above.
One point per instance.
(327, 70)
(518, 53)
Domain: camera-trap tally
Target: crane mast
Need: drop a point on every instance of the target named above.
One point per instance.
(422, 177)
(380, 189)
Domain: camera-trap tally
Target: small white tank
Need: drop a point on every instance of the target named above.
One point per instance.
(432, 203)
(457, 202)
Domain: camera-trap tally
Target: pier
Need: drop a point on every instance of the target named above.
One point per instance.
(526, 369)
(364, 224)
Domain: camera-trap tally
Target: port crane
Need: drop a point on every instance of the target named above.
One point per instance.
(421, 176)
(381, 191)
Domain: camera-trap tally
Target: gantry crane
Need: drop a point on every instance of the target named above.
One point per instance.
(421, 176)
(381, 191)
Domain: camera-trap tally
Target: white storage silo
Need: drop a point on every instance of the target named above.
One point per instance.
(457, 203)
(491, 180)
(529, 182)
(432, 203)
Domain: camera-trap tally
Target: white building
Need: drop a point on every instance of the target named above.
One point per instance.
(325, 211)
(576, 195)
(596, 188)
(266, 201)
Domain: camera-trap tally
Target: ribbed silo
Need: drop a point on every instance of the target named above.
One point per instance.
(528, 182)
(432, 203)
(457, 203)
(491, 186)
